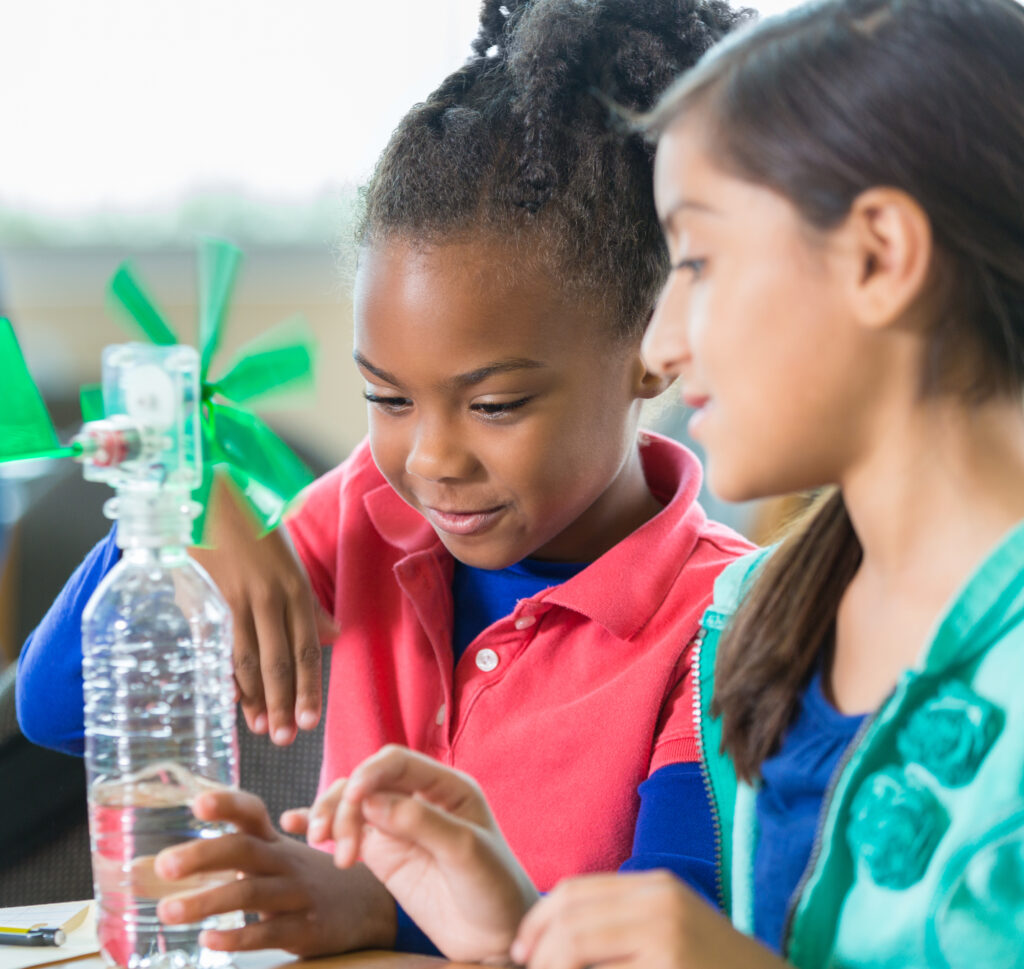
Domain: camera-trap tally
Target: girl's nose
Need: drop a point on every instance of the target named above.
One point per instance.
(437, 453)
(666, 348)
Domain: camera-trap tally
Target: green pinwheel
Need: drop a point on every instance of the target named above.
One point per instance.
(235, 440)
(26, 430)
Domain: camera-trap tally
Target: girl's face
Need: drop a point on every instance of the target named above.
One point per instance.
(754, 321)
(501, 410)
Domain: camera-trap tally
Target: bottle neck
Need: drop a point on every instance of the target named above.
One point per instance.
(151, 522)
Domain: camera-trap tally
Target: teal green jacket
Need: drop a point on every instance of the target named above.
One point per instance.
(919, 856)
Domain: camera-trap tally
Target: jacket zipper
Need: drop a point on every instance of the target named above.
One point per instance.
(698, 723)
(819, 829)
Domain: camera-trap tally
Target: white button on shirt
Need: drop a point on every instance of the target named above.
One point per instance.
(525, 622)
(439, 719)
(486, 660)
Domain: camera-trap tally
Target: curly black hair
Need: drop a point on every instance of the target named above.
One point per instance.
(527, 140)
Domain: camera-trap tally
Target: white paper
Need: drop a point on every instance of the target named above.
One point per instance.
(81, 941)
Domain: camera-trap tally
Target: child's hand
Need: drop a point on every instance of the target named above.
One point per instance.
(427, 833)
(305, 904)
(279, 625)
(648, 920)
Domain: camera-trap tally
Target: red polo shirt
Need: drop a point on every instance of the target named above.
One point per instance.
(559, 710)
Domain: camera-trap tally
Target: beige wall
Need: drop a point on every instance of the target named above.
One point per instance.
(56, 299)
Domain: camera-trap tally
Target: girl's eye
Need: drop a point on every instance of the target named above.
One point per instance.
(693, 266)
(393, 405)
(497, 411)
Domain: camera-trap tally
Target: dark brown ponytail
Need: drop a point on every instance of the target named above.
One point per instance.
(770, 648)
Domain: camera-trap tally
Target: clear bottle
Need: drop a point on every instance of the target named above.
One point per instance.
(159, 726)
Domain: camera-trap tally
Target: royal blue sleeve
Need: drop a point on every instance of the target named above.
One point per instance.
(49, 685)
(411, 938)
(674, 829)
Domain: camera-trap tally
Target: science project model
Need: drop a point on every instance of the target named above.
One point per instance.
(156, 635)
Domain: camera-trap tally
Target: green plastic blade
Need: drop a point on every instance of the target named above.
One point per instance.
(218, 264)
(266, 507)
(128, 293)
(25, 427)
(202, 495)
(253, 449)
(279, 361)
(90, 399)
(68, 451)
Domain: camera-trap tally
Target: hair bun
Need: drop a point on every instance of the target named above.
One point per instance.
(495, 16)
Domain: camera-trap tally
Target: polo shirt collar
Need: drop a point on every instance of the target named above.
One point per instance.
(623, 588)
(398, 523)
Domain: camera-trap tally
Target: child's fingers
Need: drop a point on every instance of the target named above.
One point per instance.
(289, 931)
(347, 832)
(556, 908)
(277, 667)
(262, 894)
(246, 660)
(220, 856)
(442, 835)
(321, 814)
(295, 821)
(244, 810)
(332, 815)
(403, 771)
(307, 656)
(602, 936)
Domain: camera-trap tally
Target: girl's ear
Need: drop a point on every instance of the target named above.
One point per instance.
(891, 255)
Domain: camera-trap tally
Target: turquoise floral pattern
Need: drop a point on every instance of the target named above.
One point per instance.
(951, 734)
(894, 828)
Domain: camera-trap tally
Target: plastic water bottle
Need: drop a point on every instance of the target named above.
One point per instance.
(159, 726)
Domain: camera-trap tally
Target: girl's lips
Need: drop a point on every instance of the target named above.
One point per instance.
(463, 522)
(697, 402)
(701, 407)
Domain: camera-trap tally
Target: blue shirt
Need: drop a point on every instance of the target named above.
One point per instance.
(793, 786)
(483, 596)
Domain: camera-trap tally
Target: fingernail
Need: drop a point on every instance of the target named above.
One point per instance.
(172, 911)
(342, 849)
(283, 735)
(166, 866)
(259, 725)
(518, 952)
(317, 830)
(308, 719)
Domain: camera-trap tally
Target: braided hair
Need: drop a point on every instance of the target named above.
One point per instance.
(523, 142)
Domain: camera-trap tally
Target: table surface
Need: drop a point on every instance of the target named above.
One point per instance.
(83, 938)
(278, 960)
